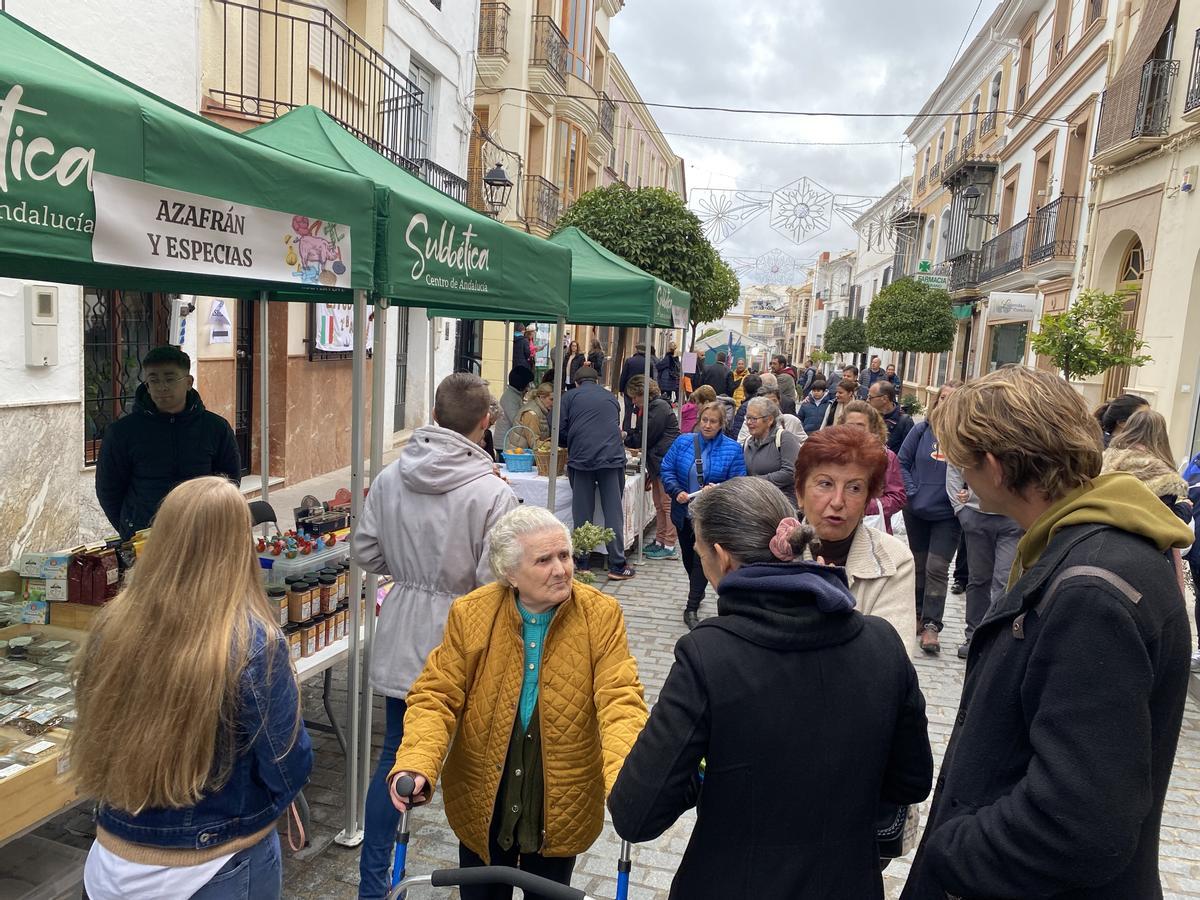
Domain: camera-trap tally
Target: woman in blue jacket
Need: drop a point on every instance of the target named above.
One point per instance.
(933, 529)
(706, 456)
(188, 731)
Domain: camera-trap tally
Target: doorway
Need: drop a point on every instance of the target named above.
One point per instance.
(400, 403)
(243, 380)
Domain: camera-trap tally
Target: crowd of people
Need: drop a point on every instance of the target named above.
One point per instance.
(793, 719)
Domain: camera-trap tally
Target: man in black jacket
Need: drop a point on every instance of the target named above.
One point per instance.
(662, 427)
(168, 438)
(635, 365)
(882, 396)
(718, 377)
(1054, 778)
(524, 348)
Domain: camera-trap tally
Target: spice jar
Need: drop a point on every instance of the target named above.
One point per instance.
(328, 591)
(330, 629)
(319, 633)
(299, 604)
(295, 647)
(308, 640)
(277, 596)
(343, 582)
(343, 624)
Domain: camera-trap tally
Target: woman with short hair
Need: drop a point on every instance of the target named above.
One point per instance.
(188, 733)
(695, 462)
(862, 415)
(805, 715)
(529, 706)
(770, 451)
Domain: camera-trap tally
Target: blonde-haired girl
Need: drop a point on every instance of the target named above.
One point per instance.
(189, 733)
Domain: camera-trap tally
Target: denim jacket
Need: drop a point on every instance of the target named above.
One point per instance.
(270, 768)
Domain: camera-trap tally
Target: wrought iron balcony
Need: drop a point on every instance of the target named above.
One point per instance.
(968, 143)
(1004, 253)
(608, 115)
(1054, 230)
(273, 61)
(1192, 101)
(549, 48)
(543, 202)
(443, 179)
(964, 271)
(921, 185)
(934, 171)
(1122, 121)
(989, 123)
(951, 159)
(493, 29)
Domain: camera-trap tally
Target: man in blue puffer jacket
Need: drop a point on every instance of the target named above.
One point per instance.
(721, 458)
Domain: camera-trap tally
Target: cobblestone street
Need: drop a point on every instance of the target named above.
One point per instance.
(653, 606)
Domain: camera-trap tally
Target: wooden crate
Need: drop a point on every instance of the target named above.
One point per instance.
(44, 789)
(78, 616)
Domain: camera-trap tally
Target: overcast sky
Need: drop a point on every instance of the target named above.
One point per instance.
(829, 55)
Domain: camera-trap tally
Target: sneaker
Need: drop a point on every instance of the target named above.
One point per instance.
(929, 639)
(691, 618)
(648, 548)
(958, 588)
(1196, 661)
(963, 649)
(661, 552)
(621, 574)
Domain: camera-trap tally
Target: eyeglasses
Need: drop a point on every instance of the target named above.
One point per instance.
(756, 418)
(162, 381)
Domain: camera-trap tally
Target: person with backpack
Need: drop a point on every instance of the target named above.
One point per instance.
(770, 450)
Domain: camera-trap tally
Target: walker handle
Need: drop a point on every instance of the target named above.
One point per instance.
(404, 788)
(492, 875)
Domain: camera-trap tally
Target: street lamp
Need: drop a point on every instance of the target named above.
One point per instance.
(971, 197)
(496, 187)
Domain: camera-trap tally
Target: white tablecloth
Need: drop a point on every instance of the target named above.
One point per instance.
(530, 487)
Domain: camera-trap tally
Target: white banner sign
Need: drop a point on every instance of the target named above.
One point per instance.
(149, 227)
(1007, 305)
(333, 328)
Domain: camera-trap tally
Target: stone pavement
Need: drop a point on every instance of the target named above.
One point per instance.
(653, 609)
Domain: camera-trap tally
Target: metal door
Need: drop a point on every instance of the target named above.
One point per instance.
(399, 407)
(243, 384)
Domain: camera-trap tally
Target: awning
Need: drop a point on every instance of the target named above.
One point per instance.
(105, 184)
(608, 290)
(433, 251)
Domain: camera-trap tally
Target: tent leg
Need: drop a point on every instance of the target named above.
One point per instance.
(643, 419)
(264, 405)
(556, 417)
(429, 393)
(378, 386)
(508, 339)
(351, 834)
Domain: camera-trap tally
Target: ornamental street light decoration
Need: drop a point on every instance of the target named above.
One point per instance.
(496, 188)
(971, 195)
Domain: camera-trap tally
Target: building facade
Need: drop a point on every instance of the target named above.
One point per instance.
(833, 294)
(875, 256)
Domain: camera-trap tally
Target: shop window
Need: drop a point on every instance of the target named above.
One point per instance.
(577, 18)
(1008, 345)
(119, 328)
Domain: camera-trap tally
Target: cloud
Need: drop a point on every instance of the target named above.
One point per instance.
(819, 55)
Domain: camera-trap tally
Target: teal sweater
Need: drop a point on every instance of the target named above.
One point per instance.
(533, 637)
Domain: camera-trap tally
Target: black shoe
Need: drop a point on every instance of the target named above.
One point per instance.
(958, 588)
(963, 649)
(691, 618)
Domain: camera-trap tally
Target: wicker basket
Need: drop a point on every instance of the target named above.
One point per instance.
(543, 462)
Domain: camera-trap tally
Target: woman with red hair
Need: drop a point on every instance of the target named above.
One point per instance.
(839, 470)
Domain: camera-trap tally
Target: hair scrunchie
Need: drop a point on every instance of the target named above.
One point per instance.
(781, 544)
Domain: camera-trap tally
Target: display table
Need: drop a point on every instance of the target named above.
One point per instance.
(532, 488)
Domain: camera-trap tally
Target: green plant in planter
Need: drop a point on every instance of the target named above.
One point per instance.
(911, 405)
(584, 539)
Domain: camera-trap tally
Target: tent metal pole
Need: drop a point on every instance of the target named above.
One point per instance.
(264, 404)
(378, 387)
(556, 416)
(429, 392)
(508, 340)
(351, 834)
(643, 422)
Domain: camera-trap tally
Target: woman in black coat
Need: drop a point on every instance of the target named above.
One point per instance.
(807, 714)
(661, 431)
(596, 358)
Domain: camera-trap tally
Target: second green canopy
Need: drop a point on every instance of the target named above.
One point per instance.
(609, 290)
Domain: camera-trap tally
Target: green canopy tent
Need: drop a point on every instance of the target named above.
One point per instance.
(103, 183)
(609, 290)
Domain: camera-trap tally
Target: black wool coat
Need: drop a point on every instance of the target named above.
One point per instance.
(806, 720)
(1054, 778)
(662, 431)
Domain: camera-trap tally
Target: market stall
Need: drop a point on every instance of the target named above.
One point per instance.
(636, 501)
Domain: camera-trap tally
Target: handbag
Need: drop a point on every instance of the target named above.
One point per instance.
(896, 829)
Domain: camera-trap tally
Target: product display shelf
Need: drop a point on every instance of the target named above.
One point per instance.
(281, 568)
(43, 789)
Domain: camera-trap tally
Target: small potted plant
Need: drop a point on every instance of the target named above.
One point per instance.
(584, 539)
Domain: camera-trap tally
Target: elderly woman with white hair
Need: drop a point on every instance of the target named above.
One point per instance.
(536, 699)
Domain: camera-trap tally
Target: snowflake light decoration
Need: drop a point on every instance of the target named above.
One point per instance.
(722, 212)
(802, 210)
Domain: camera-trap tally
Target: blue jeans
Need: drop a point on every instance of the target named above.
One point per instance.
(379, 830)
(255, 872)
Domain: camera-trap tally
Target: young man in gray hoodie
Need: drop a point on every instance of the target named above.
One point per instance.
(425, 524)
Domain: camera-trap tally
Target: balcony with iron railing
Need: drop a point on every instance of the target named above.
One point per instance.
(1054, 230)
(1128, 128)
(934, 171)
(964, 271)
(968, 143)
(1005, 253)
(988, 125)
(443, 179)
(608, 115)
(274, 60)
(543, 203)
(951, 158)
(1191, 102)
(921, 185)
(492, 58)
(547, 56)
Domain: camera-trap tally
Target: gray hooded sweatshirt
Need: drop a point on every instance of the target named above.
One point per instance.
(425, 524)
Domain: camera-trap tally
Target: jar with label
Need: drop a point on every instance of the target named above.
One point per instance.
(343, 624)
(277, 596)
(330, 628)
(299, 605)
(343, 571)
(295, 648)
(328, 594)
(319, 633)
(308, 638)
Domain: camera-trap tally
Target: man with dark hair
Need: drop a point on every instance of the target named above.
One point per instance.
(1055, 775)
(787, 385)
(810, 375)
(634, 365)
(167, 439)
(750, 387)
(815, 410)
(850, 373)
(718, 377)
(524, 348)
(425, 524)
(882, 396)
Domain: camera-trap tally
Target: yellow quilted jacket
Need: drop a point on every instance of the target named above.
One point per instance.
(465, 701)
